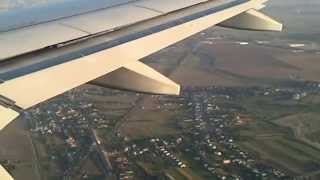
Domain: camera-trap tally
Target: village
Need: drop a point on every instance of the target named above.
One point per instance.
(206, 145)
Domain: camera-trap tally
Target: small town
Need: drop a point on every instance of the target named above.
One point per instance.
(74, 140)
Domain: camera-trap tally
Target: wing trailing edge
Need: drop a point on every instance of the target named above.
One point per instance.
(252, 20)
(138, 77)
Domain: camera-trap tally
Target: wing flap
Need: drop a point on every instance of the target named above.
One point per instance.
(138, 77)
(18, 42)
(4, 175)
(252, 20)
(6, 116)
(110, 19)
(42, 34)
(166, 6)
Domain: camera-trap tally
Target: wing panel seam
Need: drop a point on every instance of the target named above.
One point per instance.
(73, 27)
(148, 8)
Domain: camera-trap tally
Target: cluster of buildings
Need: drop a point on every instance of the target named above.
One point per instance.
(214, 145)
(205, 141)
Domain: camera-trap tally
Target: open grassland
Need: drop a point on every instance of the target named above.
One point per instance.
(175, 174)
(194, 72)
(147, 120)
(266, 109)
(271, 108)
(297, 118)
(149, 124)
(296, 157)
(308, 64)
(183, 174)
(15, 145)
(281, 150)
(306, 127)
(281, 133)
(170, 172)
(224, 62)
(312, 99)
(251, 60)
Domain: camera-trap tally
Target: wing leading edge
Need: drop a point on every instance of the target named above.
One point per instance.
(111, 58)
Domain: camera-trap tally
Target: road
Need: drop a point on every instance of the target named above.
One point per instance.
(35, 158)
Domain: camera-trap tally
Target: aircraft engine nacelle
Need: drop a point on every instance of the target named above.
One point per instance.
(252, 20)
(138, 77)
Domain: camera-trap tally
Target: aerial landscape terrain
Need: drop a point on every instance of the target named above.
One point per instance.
(249, 109)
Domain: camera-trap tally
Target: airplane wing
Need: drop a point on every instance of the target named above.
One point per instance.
(49, 49)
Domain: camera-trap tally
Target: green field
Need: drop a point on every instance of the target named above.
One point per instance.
(305, 126)
(278, 133)
(183, 174)
(295, 157)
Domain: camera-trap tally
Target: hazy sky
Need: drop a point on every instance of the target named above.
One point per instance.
(273, 3)
(8, 4)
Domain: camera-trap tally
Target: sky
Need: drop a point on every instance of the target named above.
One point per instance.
(8, 4)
